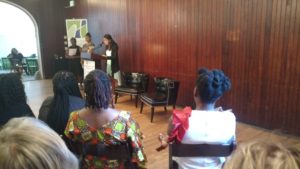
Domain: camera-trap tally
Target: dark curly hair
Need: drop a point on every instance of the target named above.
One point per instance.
(97, 89)
(64, 85)
(211, 85)
(11, 91)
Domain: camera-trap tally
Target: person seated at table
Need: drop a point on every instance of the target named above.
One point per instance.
(12, 98)
(206, 124)
(73, 56)
(55, 110)
(27, 143)
(97, 124)
(16, 61)
(260, 154)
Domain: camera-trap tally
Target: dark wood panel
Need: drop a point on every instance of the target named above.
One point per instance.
(255, 42)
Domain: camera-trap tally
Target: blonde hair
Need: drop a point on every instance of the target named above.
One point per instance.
(27, 143)
(295, 150)
(261, 155)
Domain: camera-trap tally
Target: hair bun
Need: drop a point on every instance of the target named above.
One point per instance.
(202, 71)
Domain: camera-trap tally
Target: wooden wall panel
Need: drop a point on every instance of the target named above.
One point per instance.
(255, 42)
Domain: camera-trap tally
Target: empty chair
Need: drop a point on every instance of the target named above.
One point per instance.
(165, 94)
(32, 65)
(134, 85)
(6, 64)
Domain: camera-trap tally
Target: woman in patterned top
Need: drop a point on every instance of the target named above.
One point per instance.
(97, 124)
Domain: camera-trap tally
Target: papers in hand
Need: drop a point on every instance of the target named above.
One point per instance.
(72, 52)
(88, 66)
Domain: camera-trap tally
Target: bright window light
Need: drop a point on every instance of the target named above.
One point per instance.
(17, 30)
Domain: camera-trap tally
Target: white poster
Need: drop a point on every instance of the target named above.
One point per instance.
(88, 66)
(76, 28)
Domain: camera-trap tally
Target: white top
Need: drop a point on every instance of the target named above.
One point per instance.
(108, 63)
(211, 127)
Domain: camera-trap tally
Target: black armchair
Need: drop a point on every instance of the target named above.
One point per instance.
(134, 84)
(165, 94)
(198, 150)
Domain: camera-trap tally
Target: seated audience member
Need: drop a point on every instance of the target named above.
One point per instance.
(12, 98)
(262, 155)
(27, 143)
(56, 109)
(97, 124)
(207, 124)
(16, 61)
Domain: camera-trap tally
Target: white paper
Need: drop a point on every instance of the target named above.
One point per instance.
(88, 66)
(72, 52)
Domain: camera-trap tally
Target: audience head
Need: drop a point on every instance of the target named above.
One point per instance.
(97, 89)
(88, 37)
(11, 90)
(261, 155)
(73, 41)
(210, 86)
(64, 85)
(28, 143)
(295, 150)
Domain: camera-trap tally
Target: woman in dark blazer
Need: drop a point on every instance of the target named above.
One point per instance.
(113, 67)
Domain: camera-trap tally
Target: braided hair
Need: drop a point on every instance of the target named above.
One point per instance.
(11, 91)
(97, 89)
(211, 85)
(64, 85)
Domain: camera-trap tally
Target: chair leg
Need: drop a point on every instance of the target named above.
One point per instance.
(166, 109)
(152, 114)
(142, 106)
(112, 103)
(116, 97)
(136, 100)
(174, 106)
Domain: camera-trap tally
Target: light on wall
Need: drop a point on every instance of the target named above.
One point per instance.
(71, 4)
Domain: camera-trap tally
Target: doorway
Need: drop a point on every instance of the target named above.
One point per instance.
(19, 42)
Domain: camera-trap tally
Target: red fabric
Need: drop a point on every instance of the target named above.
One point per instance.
(180, 124)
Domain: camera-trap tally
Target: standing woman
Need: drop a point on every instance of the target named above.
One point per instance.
(113, 67)
(89, 45)
(74, 61)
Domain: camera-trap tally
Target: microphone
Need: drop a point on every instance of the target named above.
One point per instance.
(99, 46)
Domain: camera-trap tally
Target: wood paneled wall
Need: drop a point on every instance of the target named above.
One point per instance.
(255, 42)
(49, 15)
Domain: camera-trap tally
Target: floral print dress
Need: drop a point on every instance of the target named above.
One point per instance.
(112, 133)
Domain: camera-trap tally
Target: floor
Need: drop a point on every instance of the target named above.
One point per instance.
(37, 91)
(24, 76)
